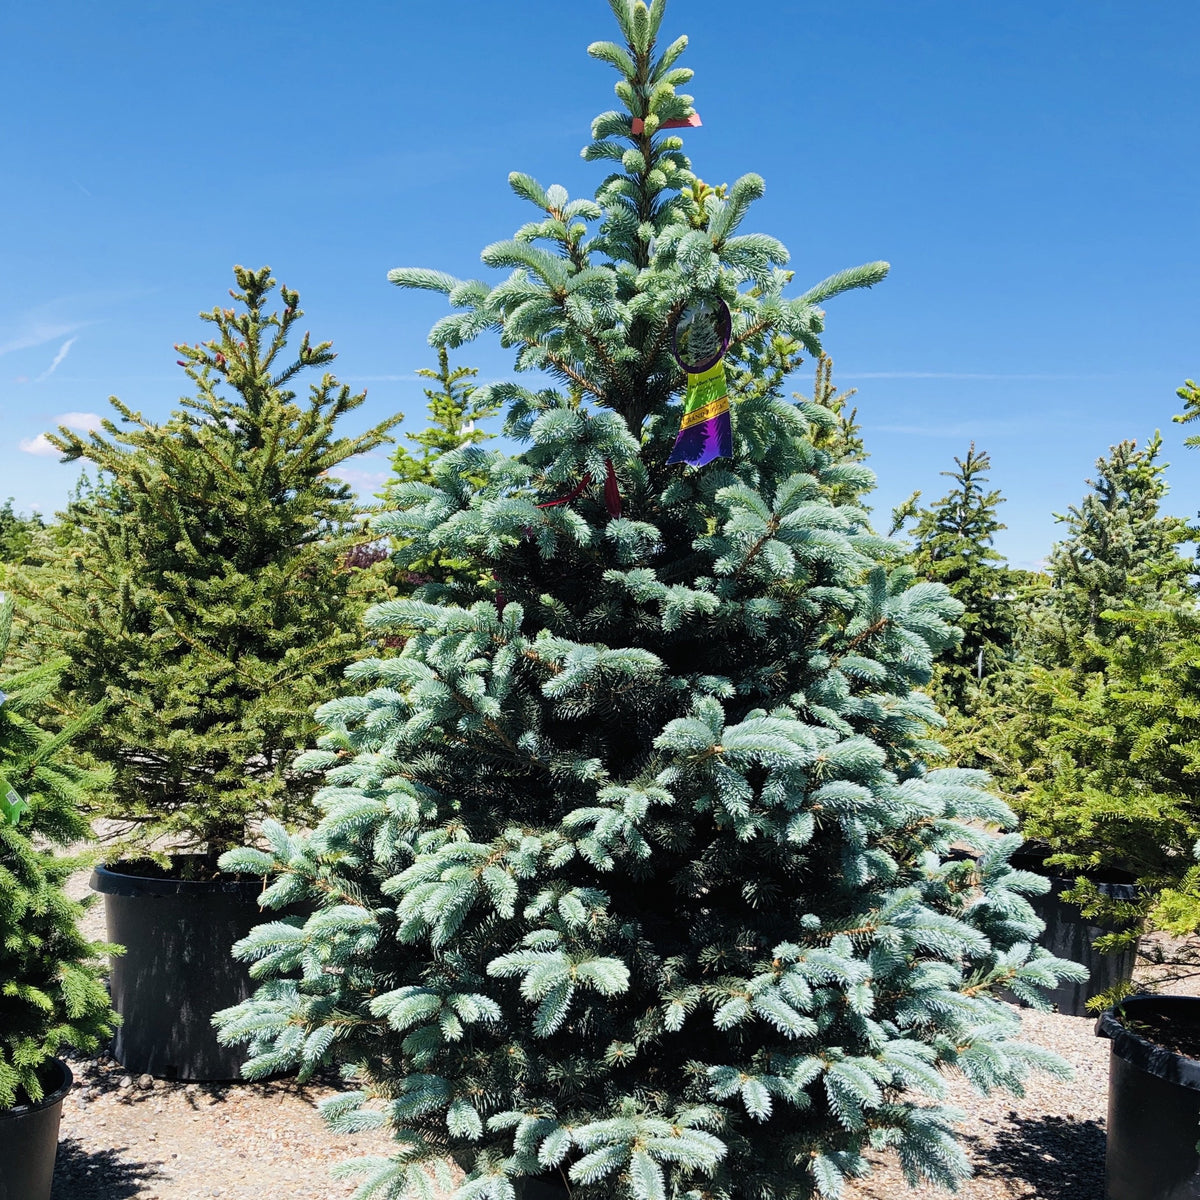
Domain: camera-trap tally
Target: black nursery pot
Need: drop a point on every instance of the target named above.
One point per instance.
(550, 1185)
(1153, 1102)
(1070, 935)
(177, 969)
(29, 1139)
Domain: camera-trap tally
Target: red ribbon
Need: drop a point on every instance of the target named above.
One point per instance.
(693, 122)
(612, 491)
(574, 494)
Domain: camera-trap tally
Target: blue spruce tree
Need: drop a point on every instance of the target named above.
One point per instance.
(632, 877)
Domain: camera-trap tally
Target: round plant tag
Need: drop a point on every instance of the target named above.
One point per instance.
(702, 334)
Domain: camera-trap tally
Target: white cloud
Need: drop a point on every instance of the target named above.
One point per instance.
(81, 422)
(39, 446)
(361, 481)
(61, 316)
(63, 351)
(84, 422)
(36, 333)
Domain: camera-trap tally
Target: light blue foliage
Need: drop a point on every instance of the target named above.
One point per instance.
(632, 866)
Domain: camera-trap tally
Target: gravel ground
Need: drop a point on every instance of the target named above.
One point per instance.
(123, 1138)
(173, 1141)
(1046, 1145)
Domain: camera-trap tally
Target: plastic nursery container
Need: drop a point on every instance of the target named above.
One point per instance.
(1153, 1099)
(549, 1185)
(177, 969)
(1070, 935)
(29, 1139)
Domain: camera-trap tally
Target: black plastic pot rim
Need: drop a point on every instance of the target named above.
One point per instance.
(122, 879)
(1139, 1052)
(1126, 888)
(47, 1101)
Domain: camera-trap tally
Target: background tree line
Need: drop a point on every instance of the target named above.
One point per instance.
(1077, 686)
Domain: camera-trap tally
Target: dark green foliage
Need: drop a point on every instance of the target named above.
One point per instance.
(17, 533)
(989, 731)
(1118, 759)
(205, 596)
(1120, 559)
(1101, 722)
(453, 418)
(51, 995)
(953, 545)
(631, 870)
(1120, 553)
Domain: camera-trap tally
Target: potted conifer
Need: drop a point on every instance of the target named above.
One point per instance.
(51, 994)
(1093, 732)
(1153, 1098)
(634, 878)
(1153, 820)
(207, 603)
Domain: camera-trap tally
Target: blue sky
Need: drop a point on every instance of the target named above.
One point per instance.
(1029, 168)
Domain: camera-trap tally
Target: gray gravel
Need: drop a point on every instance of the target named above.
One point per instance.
(1047, 1145)
(266, 1142)
(125, 1138)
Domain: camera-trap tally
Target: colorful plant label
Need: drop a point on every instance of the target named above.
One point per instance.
(705, 432)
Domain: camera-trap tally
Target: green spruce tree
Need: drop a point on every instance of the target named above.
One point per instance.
(631, 874)
(51, 993)
(1120, 556)
(1190, 395)
(205, 598)
(843, 441)
(1120, 552)
(455, 409)
(953, 545)
(454, 418)
(1102, 727)
(1113, 782)
(17, 533)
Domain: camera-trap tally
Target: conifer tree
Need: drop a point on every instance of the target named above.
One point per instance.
(51, 994)
(205, 598)
(1190, 395)
(453, 420)
(844, 442)
(455, 409)
(1112, 783)
(953, 544)
(17, 533)
(1104, 728)
(632, 875)
(1120, 552)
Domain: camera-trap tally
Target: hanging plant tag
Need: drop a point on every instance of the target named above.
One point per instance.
(11, 805)
(702, 335)
(705, 432)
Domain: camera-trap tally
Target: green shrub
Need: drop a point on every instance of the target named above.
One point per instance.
(204, 596)
(51, 994)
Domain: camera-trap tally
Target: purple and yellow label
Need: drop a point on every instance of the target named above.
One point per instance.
(705, 431)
